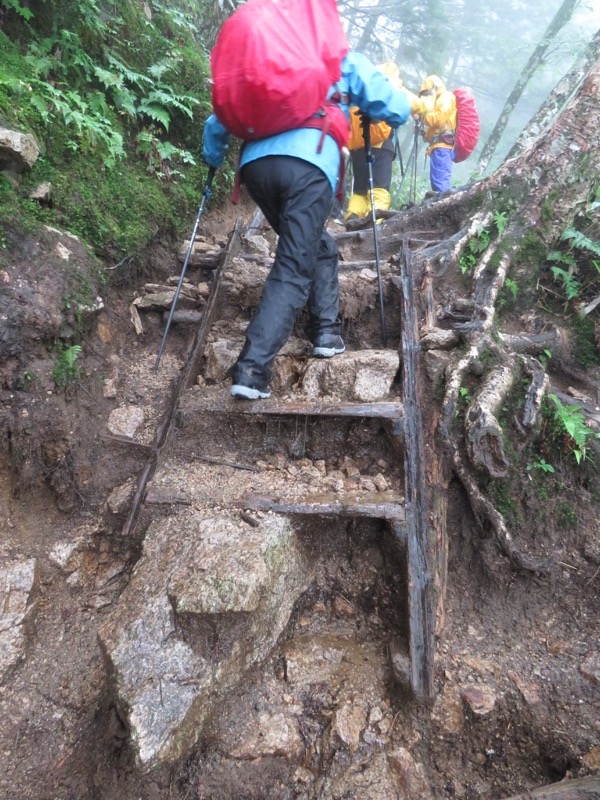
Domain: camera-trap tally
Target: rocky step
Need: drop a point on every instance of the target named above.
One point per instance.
(356, 376)
(244, 279)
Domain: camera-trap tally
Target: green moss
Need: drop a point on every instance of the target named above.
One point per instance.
(585, 349)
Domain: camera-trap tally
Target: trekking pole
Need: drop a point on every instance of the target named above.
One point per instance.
(205, 197)
(399, 156)
(412, 194)
(366, 123)
(407, 168)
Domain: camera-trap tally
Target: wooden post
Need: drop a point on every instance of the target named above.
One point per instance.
(420, 584)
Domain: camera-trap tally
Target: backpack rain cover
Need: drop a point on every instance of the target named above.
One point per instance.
(467, 125)
(273, 64)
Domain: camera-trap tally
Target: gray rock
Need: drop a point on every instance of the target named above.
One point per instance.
(207, 601)
(362, 376)
(18, 151)
(18, 579)
(125, 421)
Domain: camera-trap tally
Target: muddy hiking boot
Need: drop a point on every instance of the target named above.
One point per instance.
(328, 345)
(249, 385)
(244, 390)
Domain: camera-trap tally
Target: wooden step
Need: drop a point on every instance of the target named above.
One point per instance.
(310, 408)
(385, 505)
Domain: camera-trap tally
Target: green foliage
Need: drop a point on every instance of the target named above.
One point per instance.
(512, 287)
(570, 284)
(569, 421)
(540, 464)
(116, 102)
(65, 368)
(481, 241)
(15, 5)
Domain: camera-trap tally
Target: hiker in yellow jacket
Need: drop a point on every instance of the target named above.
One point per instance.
(383, 149)
(435, 107)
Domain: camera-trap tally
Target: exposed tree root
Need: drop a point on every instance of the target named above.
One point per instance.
(483, 433)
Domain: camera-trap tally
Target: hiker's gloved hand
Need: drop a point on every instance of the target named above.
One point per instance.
(215, 142)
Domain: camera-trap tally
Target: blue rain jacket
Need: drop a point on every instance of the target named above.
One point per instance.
(361, 84)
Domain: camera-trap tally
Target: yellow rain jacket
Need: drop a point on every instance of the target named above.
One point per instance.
(436, 107)
(380, 131)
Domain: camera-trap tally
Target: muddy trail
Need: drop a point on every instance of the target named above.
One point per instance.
(213, 599)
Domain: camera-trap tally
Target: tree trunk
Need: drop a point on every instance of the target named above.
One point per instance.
(558, 98)
(541, 193)
(561, 17)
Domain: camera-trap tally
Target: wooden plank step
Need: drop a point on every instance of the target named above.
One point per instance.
(381, 410)
(383, 505)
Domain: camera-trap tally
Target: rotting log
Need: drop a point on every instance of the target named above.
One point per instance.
(578, 789)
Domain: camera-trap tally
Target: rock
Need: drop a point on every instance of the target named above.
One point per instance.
(120, 497)
(448, 711)
(591, 544)
(195, 567)
(125, 421)
(349, 721)
(438, 339)
(220, 357)
(19, 579)
(18, 151)
(362, 376)
(591, 760)
(400, 662)
(435, 362)
(373, 780)
(410, 776)
(258, 245)
(481, 700)
(42, 193)
(203, 254)
(65, 555)
(62, 251)
(590, 668)
(257, 723)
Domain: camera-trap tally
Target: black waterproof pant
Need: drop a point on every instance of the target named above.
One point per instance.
(383, 158)
(295, 197)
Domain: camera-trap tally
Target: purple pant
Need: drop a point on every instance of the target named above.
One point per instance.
(440, 169)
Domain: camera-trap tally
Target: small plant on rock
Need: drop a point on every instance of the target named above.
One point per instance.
(65, 369)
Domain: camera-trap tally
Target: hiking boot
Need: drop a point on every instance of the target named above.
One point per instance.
(351, 221)
(250, 389)
(327, 345)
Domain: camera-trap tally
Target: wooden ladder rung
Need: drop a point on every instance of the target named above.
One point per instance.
(384, 505)
(381, 410)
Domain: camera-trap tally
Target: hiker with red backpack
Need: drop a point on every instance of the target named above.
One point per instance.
(435, 107)
(450, 125)
(290, 161)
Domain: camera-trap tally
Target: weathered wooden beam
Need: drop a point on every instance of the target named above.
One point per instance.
(308, 409)
(579, 789)
(184, 317)
(384, 505)
(420, 583)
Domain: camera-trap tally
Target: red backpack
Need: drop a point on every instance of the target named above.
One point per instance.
(273, 64)
(467, 125)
